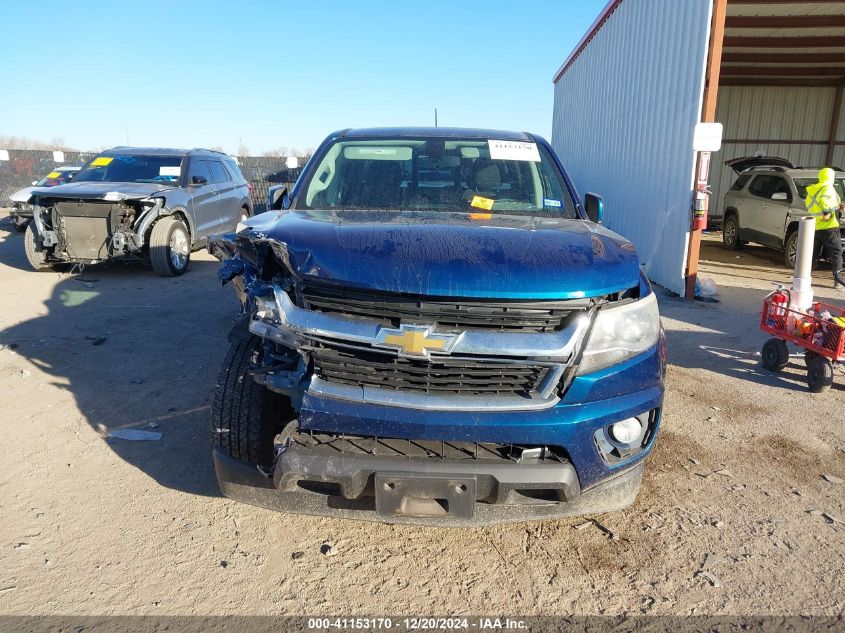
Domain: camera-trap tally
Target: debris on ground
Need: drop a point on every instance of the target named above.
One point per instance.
(829, 518)
(135, 435)
(582, 526)
(710, 577)
(153, 425)
(224, 564)
(705, 290)
(833, 479)
(327, 549)
(24, 373)
(136, 381)
(8, 346)
(606, 530)
(297, 555)
(96, 340)
(710, 560)
(724, 473)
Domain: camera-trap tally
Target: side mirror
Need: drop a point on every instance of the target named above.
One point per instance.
(780, 195)
(594, 207)
(199, 180)
(277, 198)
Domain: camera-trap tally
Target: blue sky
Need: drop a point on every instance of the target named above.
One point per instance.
(277, 74)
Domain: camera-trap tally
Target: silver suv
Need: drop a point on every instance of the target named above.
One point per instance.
(765, 203)
(150, 204)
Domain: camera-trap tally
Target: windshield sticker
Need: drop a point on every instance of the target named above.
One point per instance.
(101, 161)
(169, 171)
(551, 203)
(54, 174)
(513, 150)
(481, 203)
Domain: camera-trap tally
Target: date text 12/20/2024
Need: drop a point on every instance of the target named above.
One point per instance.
(417, 624)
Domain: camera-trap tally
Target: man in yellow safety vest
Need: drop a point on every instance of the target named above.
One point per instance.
(825, 205)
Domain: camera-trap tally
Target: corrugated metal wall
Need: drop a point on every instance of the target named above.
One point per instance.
(755, 113)
(624, 114)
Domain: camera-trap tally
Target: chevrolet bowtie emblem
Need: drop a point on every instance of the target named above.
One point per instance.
(414, 340)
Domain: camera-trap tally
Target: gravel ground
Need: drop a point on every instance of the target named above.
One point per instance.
(95, 525)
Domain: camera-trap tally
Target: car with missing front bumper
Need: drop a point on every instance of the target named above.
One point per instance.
(155, 205)
(21, 212)
(434, 331)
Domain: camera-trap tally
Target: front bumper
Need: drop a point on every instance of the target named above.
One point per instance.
(371, 489)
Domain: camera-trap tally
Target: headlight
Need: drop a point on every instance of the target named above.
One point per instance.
(620, 333)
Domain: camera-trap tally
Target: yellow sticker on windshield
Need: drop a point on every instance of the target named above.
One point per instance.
(53, 174)
(101, 161)
(481, 203)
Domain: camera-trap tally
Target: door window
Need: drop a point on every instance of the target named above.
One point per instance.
(200, 168)
(763, 186)
(219, 172)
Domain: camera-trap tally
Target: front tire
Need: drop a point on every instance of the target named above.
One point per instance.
(730, 233)
(819, 374)
(170, 247)
(36, 254)
(790, 250)
(775, 354)
(245, 416)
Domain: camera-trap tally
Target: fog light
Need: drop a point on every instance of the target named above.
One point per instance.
(627, 431)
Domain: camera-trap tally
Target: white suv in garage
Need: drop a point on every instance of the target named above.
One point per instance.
(765, 203)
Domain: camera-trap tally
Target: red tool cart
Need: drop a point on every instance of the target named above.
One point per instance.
(820, 331)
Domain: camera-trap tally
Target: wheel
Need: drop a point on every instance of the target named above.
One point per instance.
(790, 250)
(775, 354)
(170, 247)
(809, 355)
(245, 416)
(21, 224)
(730, 233)
(244, 215)
(819, 374)
(36, 255)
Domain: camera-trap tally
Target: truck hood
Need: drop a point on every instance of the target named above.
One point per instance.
(448, 254)
(100, 190)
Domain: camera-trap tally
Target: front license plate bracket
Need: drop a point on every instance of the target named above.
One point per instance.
(424, 495)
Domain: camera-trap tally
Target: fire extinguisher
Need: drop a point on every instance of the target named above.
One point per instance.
(778, 305)
(702, 193)
(699, 211)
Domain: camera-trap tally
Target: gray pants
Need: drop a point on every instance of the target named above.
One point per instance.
(831, 240)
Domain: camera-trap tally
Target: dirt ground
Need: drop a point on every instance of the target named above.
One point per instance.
(98, 525)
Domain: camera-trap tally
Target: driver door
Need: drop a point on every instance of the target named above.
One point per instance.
(773, 213)
(204, 201)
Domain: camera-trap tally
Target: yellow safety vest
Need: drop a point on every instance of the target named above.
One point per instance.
(821, 197)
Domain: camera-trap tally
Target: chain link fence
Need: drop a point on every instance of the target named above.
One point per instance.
(19, 168)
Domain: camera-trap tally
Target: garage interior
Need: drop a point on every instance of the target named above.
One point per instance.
(774, 79)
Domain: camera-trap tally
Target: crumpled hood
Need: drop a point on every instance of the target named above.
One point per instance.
(100, 190)
(447, 254)
(22, 195)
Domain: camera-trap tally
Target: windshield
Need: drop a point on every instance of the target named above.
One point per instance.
(476, 176)
(55, 178)
(132, 168)
(801, 185)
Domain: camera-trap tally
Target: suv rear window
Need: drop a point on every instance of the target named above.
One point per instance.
(233, 169)
(740, 183)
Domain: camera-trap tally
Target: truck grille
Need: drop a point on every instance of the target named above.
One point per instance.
(439, 376)
(344, 444)
(447, 314)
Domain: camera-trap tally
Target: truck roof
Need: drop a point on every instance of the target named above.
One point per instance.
(436, 132)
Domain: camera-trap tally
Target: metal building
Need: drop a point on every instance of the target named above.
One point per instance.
(629, 95)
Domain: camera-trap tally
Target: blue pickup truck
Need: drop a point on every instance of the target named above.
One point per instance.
(435, 329)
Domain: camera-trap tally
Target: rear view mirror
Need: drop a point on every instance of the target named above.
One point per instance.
(199, 180)
(594, 207)
(780, 195)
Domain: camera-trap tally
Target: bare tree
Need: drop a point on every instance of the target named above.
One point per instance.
(22, 142)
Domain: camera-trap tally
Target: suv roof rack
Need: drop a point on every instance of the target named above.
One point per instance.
(212, 151)
(769, 168)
